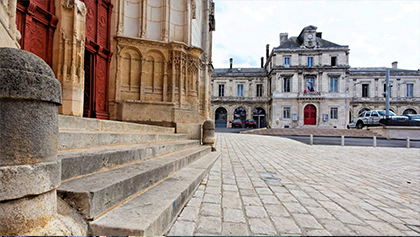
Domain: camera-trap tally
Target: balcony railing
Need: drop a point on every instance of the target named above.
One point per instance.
(311, 95)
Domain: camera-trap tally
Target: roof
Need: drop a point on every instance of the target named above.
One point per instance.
(239, 72)
(379, 69)
(294, 42)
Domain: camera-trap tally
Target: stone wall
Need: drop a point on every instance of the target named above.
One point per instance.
(9, 35)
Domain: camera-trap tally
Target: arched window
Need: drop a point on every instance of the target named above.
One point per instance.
(409, 111)
(221, 117)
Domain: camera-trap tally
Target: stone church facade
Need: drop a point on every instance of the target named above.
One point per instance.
(145, 61)
(310, 83)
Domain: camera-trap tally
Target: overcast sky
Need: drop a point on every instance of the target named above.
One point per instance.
(377, 32)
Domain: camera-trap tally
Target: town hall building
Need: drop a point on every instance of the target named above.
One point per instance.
(309, 82)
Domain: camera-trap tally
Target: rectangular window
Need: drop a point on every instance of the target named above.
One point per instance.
(333, 84)
(259, 90)
(241, 90)
(310, 61)
(333, 61)
(310, 84)
(286, 85)
(410, 90)
(365, 90)
(286, 113)
(221, 90)
(385, 90)
(286, 62)
(334, 113)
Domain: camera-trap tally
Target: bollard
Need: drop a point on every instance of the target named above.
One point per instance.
(374, 141)
(408, 142)
(208, 134)
(342, 140)
(311, 139)
(30, 171)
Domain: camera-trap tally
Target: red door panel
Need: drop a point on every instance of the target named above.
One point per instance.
(99, 56)
(36, 22)
(309, 114)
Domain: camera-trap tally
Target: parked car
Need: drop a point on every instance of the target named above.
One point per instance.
(237, 123)
(413, 117)
(369, 118)
(250, 123)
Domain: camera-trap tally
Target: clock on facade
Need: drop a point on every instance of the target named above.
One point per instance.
(309, 36)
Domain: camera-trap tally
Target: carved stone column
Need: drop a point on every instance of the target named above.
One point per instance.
(29, 169)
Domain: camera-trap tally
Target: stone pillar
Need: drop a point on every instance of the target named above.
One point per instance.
(29, 169)
(208, 134)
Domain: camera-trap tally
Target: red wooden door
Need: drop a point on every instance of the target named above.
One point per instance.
(309, 115)
(36, 22)
(97, 58)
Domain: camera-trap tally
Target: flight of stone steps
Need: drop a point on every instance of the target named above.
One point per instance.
(126, 178)
(321, 132)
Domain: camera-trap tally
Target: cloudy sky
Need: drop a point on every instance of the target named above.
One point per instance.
(377, 32)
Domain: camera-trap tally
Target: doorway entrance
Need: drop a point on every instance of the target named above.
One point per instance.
(240, 113)
(309, 115)
(221, 117)
(258, 115)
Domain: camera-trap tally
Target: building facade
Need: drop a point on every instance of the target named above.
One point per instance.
(240, 94)
(145, 61)
(310, 83)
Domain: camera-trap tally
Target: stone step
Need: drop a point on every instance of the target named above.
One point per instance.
(81, 162)
(89, 124)
(94, 194)
(153, 212)
(85, 139)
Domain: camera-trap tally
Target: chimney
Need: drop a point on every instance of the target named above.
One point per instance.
(283, 37)
(395, 65)
(319, 35)
(231, 62)
(262, 62)
(267, 51)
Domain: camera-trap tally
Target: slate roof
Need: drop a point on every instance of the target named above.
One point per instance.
(379, 69)
(239, 72)
(294, 42)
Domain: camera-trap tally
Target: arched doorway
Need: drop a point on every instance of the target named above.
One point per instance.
(259, 116)
(309, 115)
(221, 117)
(409, 111)
(240, 113)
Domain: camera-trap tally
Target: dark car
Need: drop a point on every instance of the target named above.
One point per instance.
(237, 123)
(250, 123)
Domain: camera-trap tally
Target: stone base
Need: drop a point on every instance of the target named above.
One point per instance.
(193, 130)
(22, 180)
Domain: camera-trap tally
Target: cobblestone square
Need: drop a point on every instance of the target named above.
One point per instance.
(311, 190)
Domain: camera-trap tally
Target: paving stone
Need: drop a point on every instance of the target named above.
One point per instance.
(385, 216)
(235, 229)
(320, 213)
(346, 217)
(251, 201)
(212, 198)
(269, 199)
(194, 202)
(317, 233)
(182, 228)
(294, 207)
(286, 226)
(384, 228)
(231, 200)
(255, 211)
(189, 214)
(307, 221)
(286, 197)
(336, 227)
(233, 215)
(263, 191)
(261, 226)
(213, 190)
(309, 202)
(230, 188)
(248, 192)
(276, 210)
(211, 209)
(209, 226)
